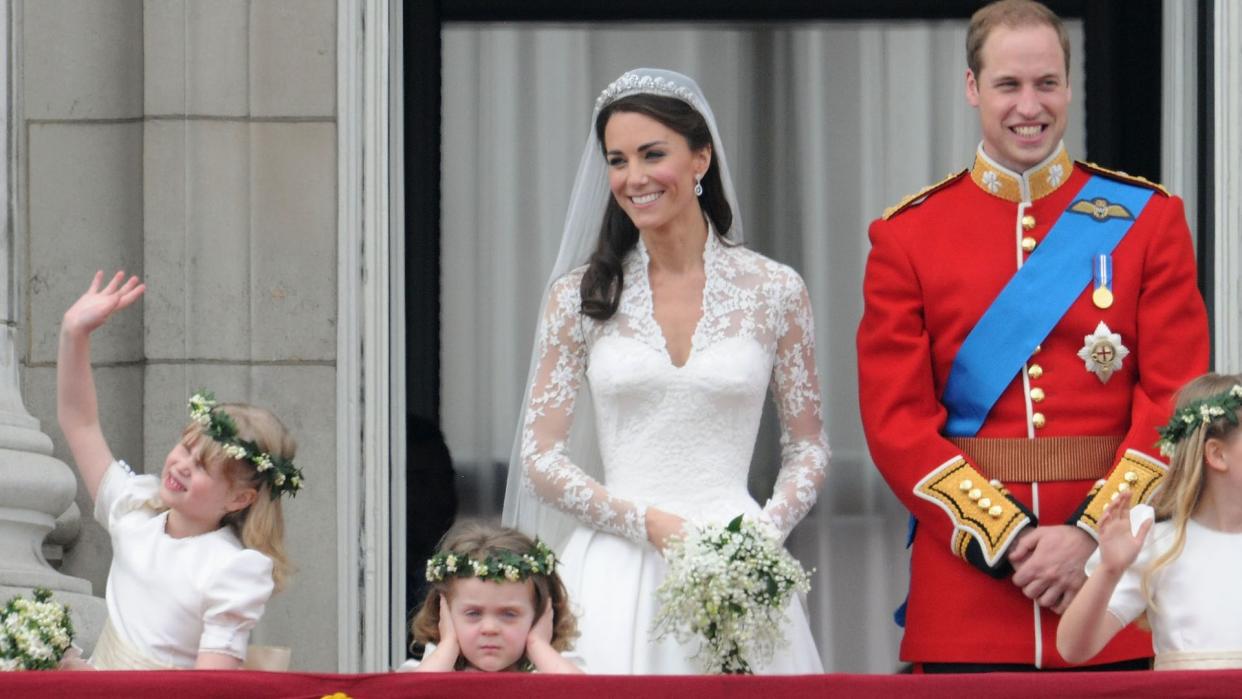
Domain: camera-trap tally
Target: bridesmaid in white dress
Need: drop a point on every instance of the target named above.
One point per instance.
(673, 334)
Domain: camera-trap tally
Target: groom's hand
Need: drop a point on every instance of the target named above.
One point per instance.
(1048, 564)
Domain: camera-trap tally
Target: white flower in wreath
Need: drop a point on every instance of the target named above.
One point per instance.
(992, 181)
(1056, 173)
(1102, 352)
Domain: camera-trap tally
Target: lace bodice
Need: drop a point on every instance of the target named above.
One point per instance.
(678, 438)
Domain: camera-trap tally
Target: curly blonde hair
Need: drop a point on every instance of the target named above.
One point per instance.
(478, 540)
(260, 525)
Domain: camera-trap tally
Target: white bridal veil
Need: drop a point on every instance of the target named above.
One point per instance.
(523, 509)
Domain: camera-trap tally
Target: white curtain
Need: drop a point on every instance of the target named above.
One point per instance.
(825, 124)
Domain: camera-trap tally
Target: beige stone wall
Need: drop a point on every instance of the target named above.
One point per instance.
(192, 142)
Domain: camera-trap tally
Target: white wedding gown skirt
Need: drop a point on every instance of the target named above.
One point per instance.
(615, 581)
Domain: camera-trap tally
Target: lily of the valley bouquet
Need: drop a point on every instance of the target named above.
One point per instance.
(728, 585)
(34, 635)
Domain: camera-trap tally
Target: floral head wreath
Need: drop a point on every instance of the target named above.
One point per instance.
(279, 472)
(1191, 417)
(505, 566)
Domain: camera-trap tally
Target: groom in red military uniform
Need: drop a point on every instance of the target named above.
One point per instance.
(1026, 325)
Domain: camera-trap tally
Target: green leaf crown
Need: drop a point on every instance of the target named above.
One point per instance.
(280, 473)
(504, 566)
(1194, 415)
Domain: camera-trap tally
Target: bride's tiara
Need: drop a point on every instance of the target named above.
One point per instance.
(632, 83)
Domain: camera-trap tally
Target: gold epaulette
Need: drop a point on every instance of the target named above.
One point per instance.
(979, 509)
(1124, 177)
(922, 194)
(1136, 476)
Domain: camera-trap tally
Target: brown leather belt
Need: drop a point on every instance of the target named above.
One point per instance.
(1043, 459)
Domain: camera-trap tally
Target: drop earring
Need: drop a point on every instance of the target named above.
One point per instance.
(698, 185)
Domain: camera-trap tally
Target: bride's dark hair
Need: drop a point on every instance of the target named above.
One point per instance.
(601, 284)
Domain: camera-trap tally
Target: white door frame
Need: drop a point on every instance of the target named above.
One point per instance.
(1227, 159)
(370, 343)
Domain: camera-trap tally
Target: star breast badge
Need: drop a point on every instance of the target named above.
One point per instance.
(1102, 352)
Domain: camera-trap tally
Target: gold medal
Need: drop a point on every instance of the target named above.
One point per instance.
(1102, 297)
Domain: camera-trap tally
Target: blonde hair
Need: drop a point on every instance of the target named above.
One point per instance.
(1179, 496)
(260, 525)
(1012, 14)
(478, 540)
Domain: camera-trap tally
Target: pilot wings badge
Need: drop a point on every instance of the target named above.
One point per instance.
(1102, 352)
(1101, 209)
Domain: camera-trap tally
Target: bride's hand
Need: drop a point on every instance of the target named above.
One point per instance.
(661, 525)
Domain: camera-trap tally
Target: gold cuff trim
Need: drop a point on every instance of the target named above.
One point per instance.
(1137, 476)
(978, 508)
(1043, 459)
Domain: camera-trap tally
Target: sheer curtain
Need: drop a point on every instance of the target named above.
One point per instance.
(826, 124)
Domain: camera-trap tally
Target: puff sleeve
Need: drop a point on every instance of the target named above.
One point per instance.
(233, 602)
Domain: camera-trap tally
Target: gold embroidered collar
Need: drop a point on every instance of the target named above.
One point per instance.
(1036, 183)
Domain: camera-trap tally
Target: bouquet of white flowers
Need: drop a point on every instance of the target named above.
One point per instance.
(34, 635)
(729, 586)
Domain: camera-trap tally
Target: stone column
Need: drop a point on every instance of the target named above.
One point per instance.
(37, 497)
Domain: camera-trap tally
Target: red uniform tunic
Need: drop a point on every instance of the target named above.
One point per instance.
(937, 262)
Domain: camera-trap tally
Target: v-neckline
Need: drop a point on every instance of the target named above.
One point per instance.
(709, 252)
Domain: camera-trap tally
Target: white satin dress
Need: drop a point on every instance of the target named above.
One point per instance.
(676, 438)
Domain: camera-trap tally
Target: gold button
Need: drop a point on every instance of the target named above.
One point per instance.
(1114, 496)
(1037, 350)
(965, 485)
(995, 483)
(1039, 420)
(1037, 394)
(975, 494)
(984, 503)
(1028, 222)
(1123, 487)
(1035, 371)
(1028, 243)
(996, 511)
(1131, 476)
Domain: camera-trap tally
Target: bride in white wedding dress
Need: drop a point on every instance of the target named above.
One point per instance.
(657, 355)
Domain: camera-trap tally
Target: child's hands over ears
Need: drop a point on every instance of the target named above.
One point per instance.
(95, 306)
(539, 648)
(444, 657)
(1118, 546)
(448, 635)
(541, 630)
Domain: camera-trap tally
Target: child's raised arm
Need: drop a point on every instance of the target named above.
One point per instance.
(76, 406)
(1086, 627)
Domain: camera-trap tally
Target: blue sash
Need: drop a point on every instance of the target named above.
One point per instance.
(1035, 300)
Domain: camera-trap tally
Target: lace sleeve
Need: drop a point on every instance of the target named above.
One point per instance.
(547, 469)
(795, 386)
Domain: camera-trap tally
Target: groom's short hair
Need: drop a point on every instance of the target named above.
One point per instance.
(1012, 14)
